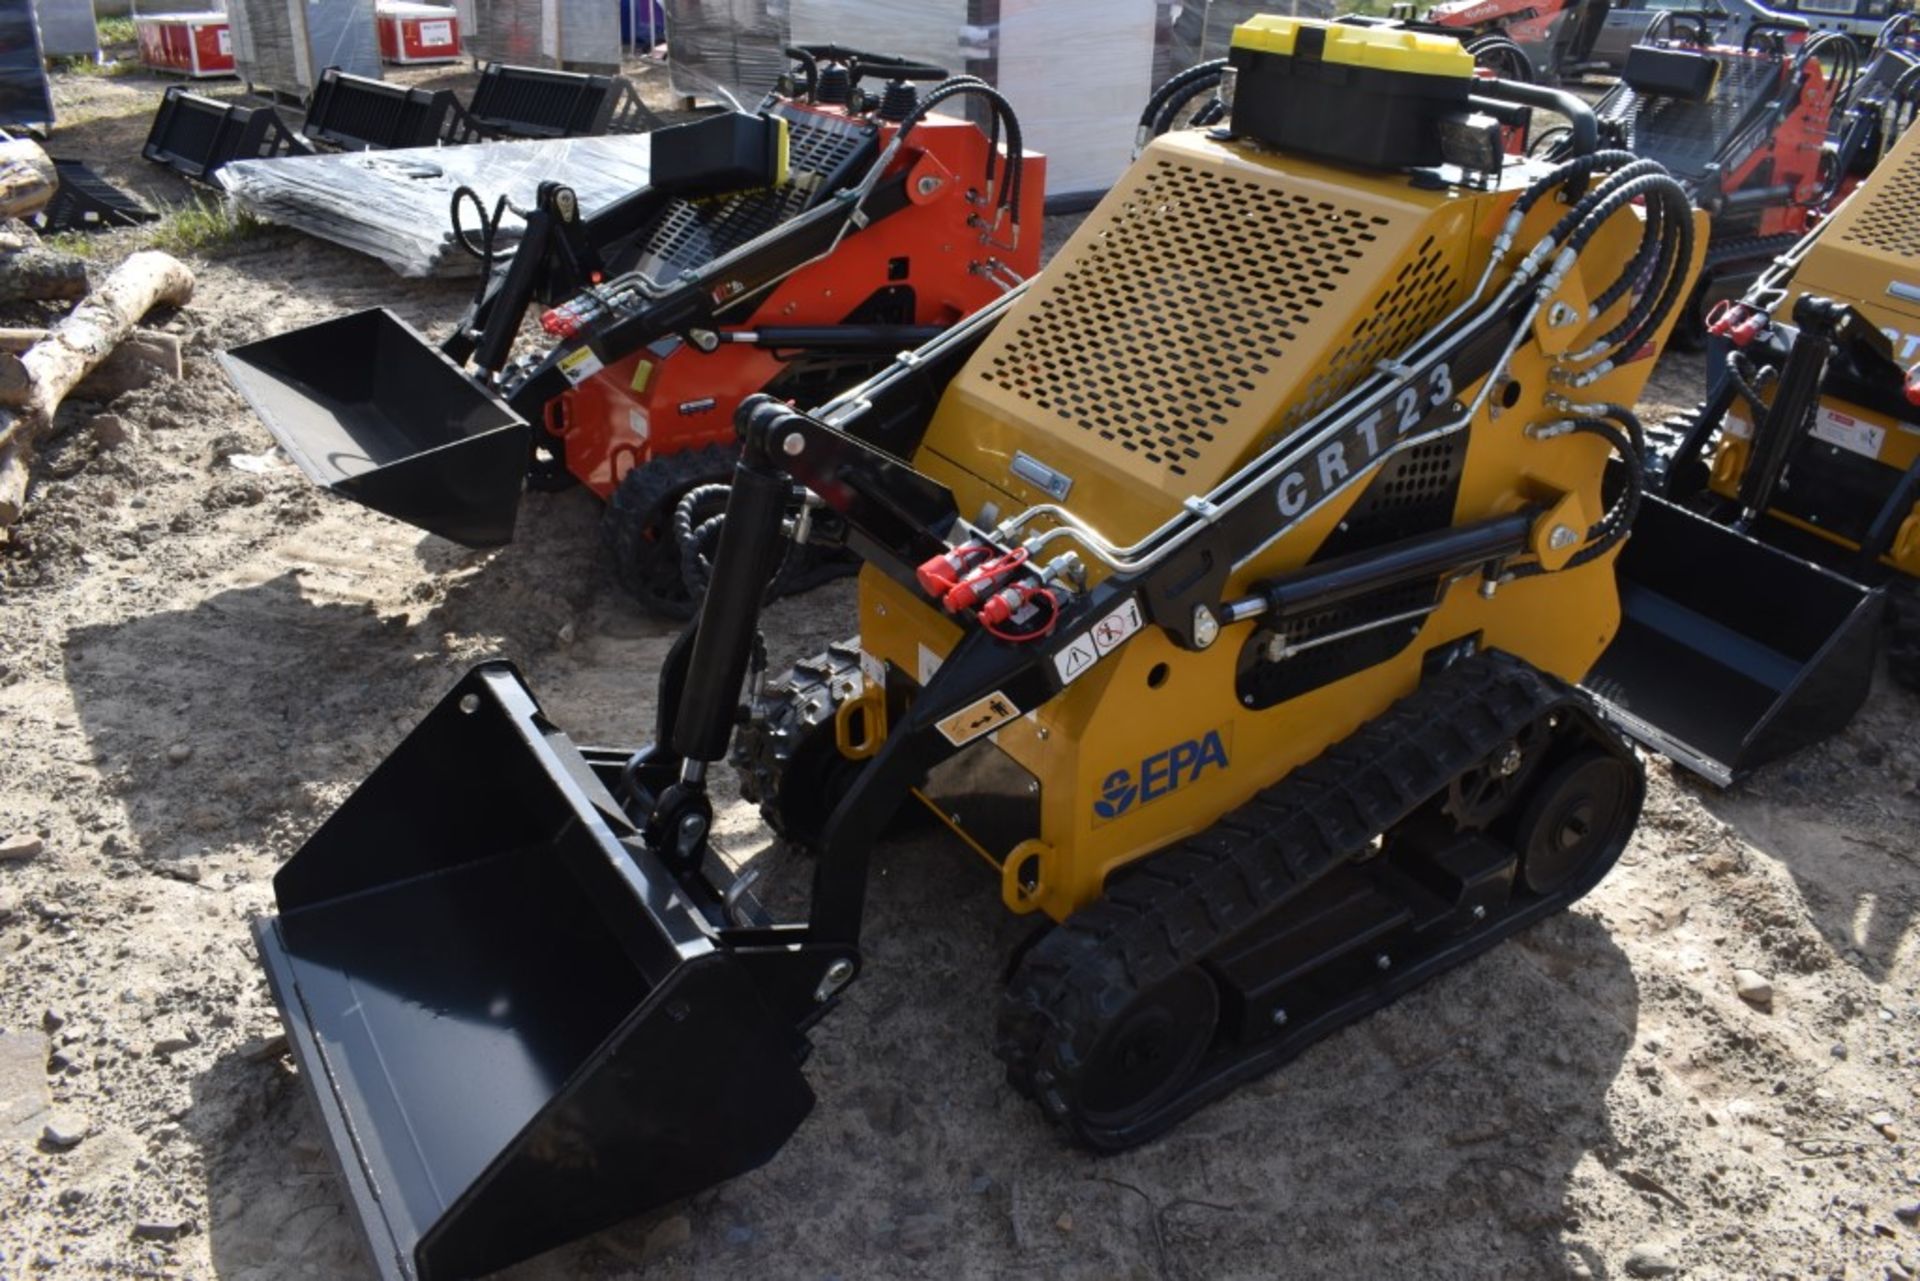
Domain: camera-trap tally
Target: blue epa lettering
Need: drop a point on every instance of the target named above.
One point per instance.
(1159, 774)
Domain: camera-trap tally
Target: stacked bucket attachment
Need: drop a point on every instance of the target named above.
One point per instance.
(518, 1023)
(1731, 653)
(358, 113)
(195, 135)
(532, 102)
(1784, 529)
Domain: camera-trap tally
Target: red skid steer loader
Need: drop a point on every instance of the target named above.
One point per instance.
(791, 251)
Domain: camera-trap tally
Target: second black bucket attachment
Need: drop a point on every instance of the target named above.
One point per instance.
(534, 102)
(1731, 653)
(370, 409)
(194, 135)
(358, 113)
(517, 1024)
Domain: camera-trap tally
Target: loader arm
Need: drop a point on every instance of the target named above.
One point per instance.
(700, 301)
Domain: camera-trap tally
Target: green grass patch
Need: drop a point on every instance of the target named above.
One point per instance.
(204, 227)
(81, 244)
(85, 66)
(116, 31)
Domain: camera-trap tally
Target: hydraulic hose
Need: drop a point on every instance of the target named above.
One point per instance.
(1676, 237)
(1579, 167)
(1742, 377)
(1604, 534)
(1175, 93)
(489, 227)
(808, 63)
(1673, 245)
(1009, 194)
(1640, 268)
(1612, 527)
(1680, 235)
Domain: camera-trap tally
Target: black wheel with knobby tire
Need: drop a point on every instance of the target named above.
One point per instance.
(638, 526)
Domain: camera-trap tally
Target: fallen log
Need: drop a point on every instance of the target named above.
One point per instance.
(41, 273)
(146, 356)
(73, 348)
(27, 178)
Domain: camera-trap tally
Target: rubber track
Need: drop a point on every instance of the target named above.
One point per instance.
(1182, 903)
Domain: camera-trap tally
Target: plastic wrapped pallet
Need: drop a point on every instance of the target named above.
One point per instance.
(67, 28)
(730, 49)
(579, 35)
(394, 205)
(503, 31)
(1076, 71)
(343, 34)
(24, 95)
(284, 45)
(1224, 15)
(1178, 37)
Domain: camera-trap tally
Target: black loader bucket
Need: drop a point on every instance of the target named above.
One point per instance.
(1731, 652)
(518, 1025)
(195, 136)
(369, 409)
(356, 113)
(533, 102)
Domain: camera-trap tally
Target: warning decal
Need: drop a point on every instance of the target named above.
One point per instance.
(1094, 644)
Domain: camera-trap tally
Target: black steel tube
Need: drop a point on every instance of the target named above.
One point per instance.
(1586, 129)
(1790, 415)
(863, 338)
(1705, 422)
(1511, 114)
(730, 613)
(503, 311)
(1409, 560)
(1757, 196)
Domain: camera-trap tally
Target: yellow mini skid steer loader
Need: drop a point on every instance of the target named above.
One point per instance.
(1786, 518)
(1226, 588)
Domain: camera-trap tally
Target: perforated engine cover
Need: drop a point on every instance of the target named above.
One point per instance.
(1869, 254)
(1215, 300)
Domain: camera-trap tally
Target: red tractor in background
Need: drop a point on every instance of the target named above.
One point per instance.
(1750, 132)
(793, 251)
(1526, 40)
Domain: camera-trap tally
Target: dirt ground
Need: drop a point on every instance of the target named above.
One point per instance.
(200, 656)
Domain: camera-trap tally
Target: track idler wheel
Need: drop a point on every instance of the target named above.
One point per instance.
(1582, 812)
(1149, 1051)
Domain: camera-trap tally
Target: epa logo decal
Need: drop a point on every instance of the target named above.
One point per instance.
(1159, 774)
